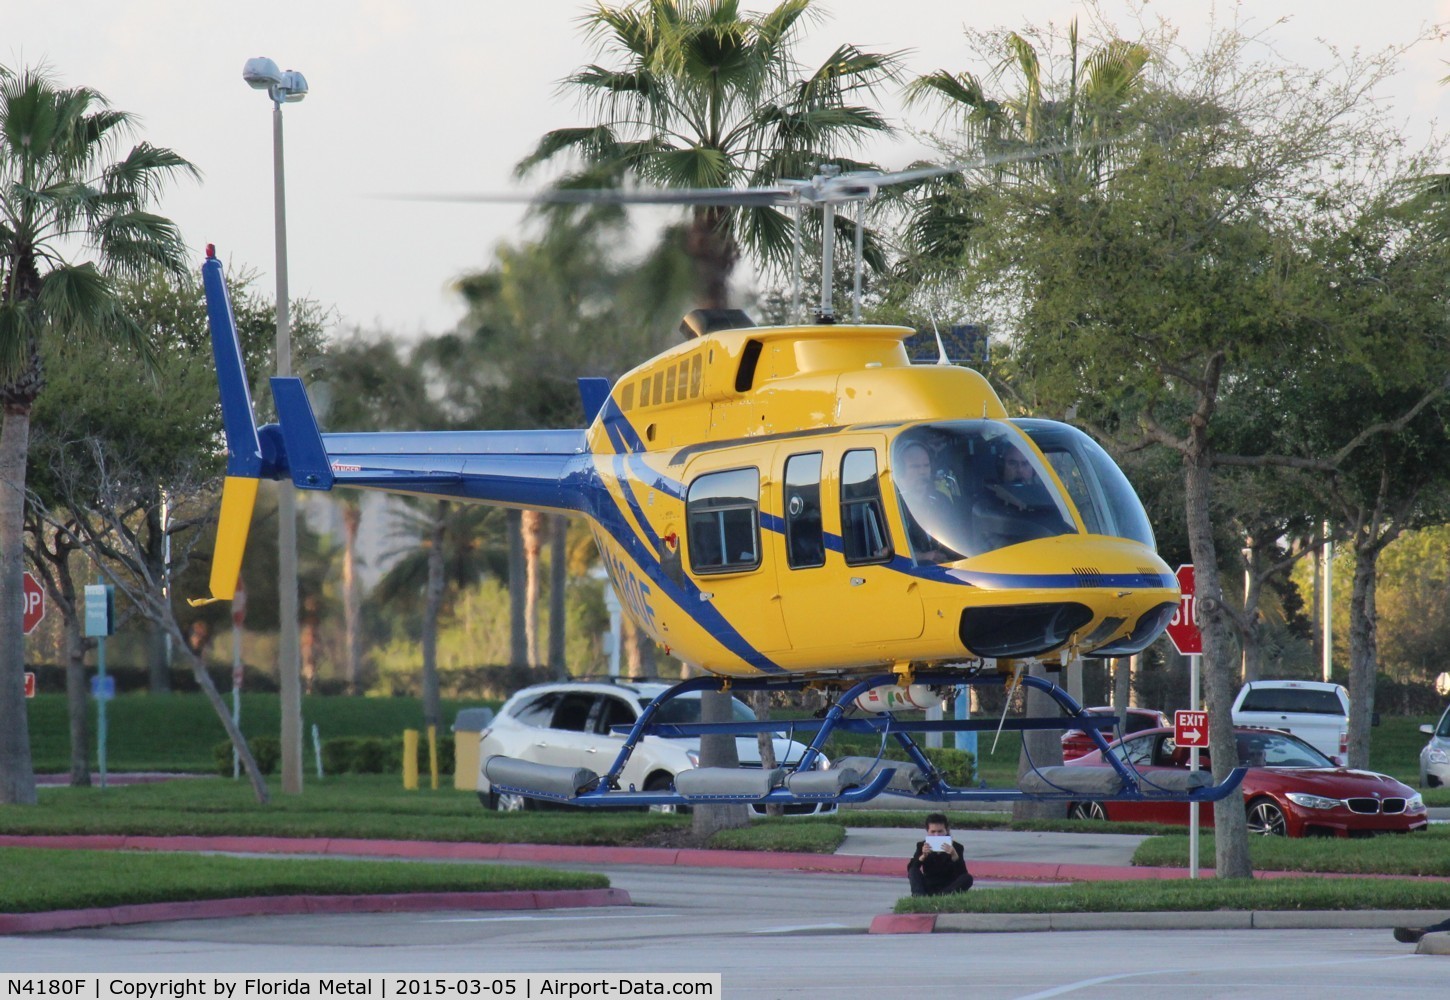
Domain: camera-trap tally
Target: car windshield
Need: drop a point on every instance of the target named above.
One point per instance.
(1277, 750)
(1256, 748)
(972, 486)
(1292, 701)
(686, 708)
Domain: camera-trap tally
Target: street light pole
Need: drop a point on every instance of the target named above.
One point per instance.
(291, 86)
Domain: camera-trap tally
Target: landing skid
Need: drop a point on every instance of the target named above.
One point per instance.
(855, 779)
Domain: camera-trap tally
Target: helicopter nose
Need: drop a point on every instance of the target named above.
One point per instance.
(1099, 595)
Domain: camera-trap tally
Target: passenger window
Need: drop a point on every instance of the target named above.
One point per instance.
(863, 525)
(614, 712)
(573, 711)
(539, 711)
(722, 513)
(805, 540)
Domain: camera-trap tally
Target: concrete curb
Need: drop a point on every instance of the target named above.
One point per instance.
(251, 906)
(988, 923)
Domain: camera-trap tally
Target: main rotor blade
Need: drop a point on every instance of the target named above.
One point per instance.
(725, 197)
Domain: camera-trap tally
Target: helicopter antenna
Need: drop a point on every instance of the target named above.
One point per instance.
(941, 348)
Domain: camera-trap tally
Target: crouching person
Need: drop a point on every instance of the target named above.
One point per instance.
(938, 867)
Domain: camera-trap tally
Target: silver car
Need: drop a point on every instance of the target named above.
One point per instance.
(1435, 758)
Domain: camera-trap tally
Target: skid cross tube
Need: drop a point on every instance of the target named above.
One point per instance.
(606, 790)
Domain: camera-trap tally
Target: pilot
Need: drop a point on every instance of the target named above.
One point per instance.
(922, 500)
(936, 872)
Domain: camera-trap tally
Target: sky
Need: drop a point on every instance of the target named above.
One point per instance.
(443, 96)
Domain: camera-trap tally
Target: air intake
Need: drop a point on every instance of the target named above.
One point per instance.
(699, 322)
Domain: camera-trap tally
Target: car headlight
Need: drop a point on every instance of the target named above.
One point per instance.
(1437, 756)
(1313, 801)
(1415, 803)
(694, 757)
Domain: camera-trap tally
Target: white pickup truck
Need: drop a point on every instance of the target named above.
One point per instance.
(1315, 711)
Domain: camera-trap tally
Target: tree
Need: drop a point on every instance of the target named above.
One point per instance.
(364, 385)
(1062, 130)
(702, 95)
(61, 186)
(1194, 265)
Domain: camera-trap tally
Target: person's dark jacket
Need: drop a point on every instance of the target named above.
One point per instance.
(940, 872)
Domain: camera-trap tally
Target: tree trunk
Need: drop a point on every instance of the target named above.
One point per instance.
(239, 742)
(1040, 748)
(518, 648)
(351, 595)
(75, 700)
(1122, 683)
(17, 773)
(558, 584)
(718, 750)
(713, 252)
(1220, 669)
(760, 702)
(533, 537)
(1363, 648)
(433, 604)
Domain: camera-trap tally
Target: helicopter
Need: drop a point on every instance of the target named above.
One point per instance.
(788, 507)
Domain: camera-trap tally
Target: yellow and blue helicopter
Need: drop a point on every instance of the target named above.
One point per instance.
(783, 507)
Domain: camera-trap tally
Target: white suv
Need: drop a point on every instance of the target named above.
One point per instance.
(1315, 711)
(569, 724)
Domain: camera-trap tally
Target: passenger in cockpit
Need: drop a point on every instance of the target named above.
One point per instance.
(923, 505)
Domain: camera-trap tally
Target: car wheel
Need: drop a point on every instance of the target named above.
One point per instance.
(1266, 819)
(1087, 810)
(662, 783)
(504, 802)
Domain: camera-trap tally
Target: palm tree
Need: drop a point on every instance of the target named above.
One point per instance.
(1061, 142)
(705, 96)
(1073, 132)
(61, 188)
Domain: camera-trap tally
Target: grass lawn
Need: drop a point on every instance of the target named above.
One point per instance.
(1426, 852)
(367, 806)
(1188, 894)
(39, 879)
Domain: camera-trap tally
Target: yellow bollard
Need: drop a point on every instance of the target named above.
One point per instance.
(410, 759)
(433, 754)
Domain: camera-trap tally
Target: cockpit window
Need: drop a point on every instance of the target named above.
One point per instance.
(972, 486)
(1101, 492)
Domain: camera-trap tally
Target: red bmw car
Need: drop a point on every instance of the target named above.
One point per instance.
(1290, 790)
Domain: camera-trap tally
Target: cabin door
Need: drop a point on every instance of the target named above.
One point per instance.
(840, 593)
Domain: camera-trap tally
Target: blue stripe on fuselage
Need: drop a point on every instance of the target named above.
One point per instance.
(646, 552)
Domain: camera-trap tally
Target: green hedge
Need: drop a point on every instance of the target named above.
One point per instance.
(344, 755)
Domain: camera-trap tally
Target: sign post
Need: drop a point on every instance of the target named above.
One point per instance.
(1188, 640)
(100, 622)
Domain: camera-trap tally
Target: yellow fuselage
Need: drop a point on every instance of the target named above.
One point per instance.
(797, 414)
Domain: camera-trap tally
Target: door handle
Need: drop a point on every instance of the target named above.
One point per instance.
(857, 581)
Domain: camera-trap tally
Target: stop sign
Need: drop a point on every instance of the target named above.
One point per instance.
(1183, 629)
(34, 602)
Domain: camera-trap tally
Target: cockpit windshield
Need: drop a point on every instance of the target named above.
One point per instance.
(972, 486)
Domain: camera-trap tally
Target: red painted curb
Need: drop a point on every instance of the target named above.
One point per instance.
(204, 909)
(903, 923)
